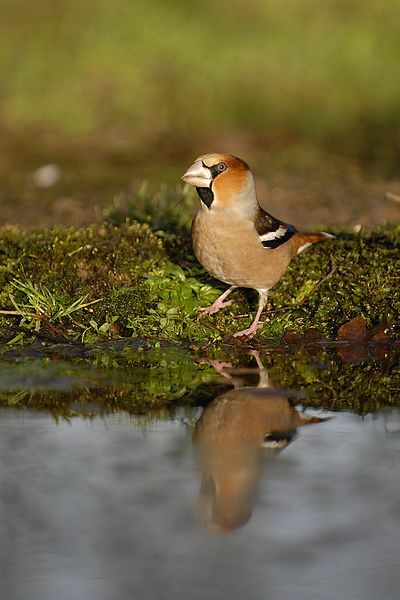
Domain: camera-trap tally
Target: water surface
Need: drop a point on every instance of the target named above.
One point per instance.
(241, 488)
(110, 508)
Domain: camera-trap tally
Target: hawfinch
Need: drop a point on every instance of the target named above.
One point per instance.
(235, 239)
(232, 434)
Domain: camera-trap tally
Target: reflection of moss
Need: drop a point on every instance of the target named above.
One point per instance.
(115, 377)
(329, 382)
(104, 380)
(147, 294)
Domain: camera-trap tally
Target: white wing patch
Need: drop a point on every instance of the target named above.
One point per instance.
(303, 247)
(273, 239)
(273, 235)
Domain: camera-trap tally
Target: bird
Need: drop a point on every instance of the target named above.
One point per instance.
(232, 436)
(234, 238)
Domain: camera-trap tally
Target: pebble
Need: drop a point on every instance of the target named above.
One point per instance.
(47, 175)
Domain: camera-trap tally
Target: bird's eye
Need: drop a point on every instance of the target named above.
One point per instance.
(221, 167)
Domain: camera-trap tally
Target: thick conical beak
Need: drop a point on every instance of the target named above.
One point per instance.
(198, 175)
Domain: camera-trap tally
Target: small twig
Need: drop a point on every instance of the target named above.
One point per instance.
(16, 313)
(301, 302)
(332, 391)
(80, 325)
(90, 303)
(210, 326)
(392, 196)
(40, 335)
(227, 337)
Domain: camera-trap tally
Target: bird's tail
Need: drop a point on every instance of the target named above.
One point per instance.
(301, 241)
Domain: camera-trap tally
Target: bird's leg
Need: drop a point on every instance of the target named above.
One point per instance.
(252, 330)
(256, 356)
(263, 377)
(219, 302)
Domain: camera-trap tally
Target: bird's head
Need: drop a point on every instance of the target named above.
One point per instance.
(223, 182)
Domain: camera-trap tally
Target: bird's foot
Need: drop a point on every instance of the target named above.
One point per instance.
(250, 332)
(214, 307)
(218, 365)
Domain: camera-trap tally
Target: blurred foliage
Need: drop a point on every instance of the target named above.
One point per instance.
(151, 71)
(168, 210)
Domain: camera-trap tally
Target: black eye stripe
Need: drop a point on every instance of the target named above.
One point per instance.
(215, 170)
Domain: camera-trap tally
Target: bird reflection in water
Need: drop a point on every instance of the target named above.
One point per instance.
(234, 432)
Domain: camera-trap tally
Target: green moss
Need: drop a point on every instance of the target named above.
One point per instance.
(94, 262)
(128, 270)
(364, 283)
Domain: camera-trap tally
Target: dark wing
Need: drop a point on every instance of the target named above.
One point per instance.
(271, 231)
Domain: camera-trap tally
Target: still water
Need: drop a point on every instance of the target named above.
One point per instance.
(249, 498)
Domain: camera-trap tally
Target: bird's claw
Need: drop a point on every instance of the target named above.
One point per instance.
(215, 307)
(249, 333)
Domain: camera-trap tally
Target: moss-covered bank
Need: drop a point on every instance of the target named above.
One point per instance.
(110, 281)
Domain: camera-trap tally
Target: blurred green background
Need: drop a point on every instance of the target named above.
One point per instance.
(103, 86)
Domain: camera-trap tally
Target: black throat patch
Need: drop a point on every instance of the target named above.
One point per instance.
(206, 195)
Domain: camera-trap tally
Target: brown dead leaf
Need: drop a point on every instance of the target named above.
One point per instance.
(353, 330)
(313, 335)
(353, 353)
(292, 338)
(381, 333)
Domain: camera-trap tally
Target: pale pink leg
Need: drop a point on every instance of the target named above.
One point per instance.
(256, 356)
(264, 380)
(218, 365)
(219, 302)
(252, 330)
